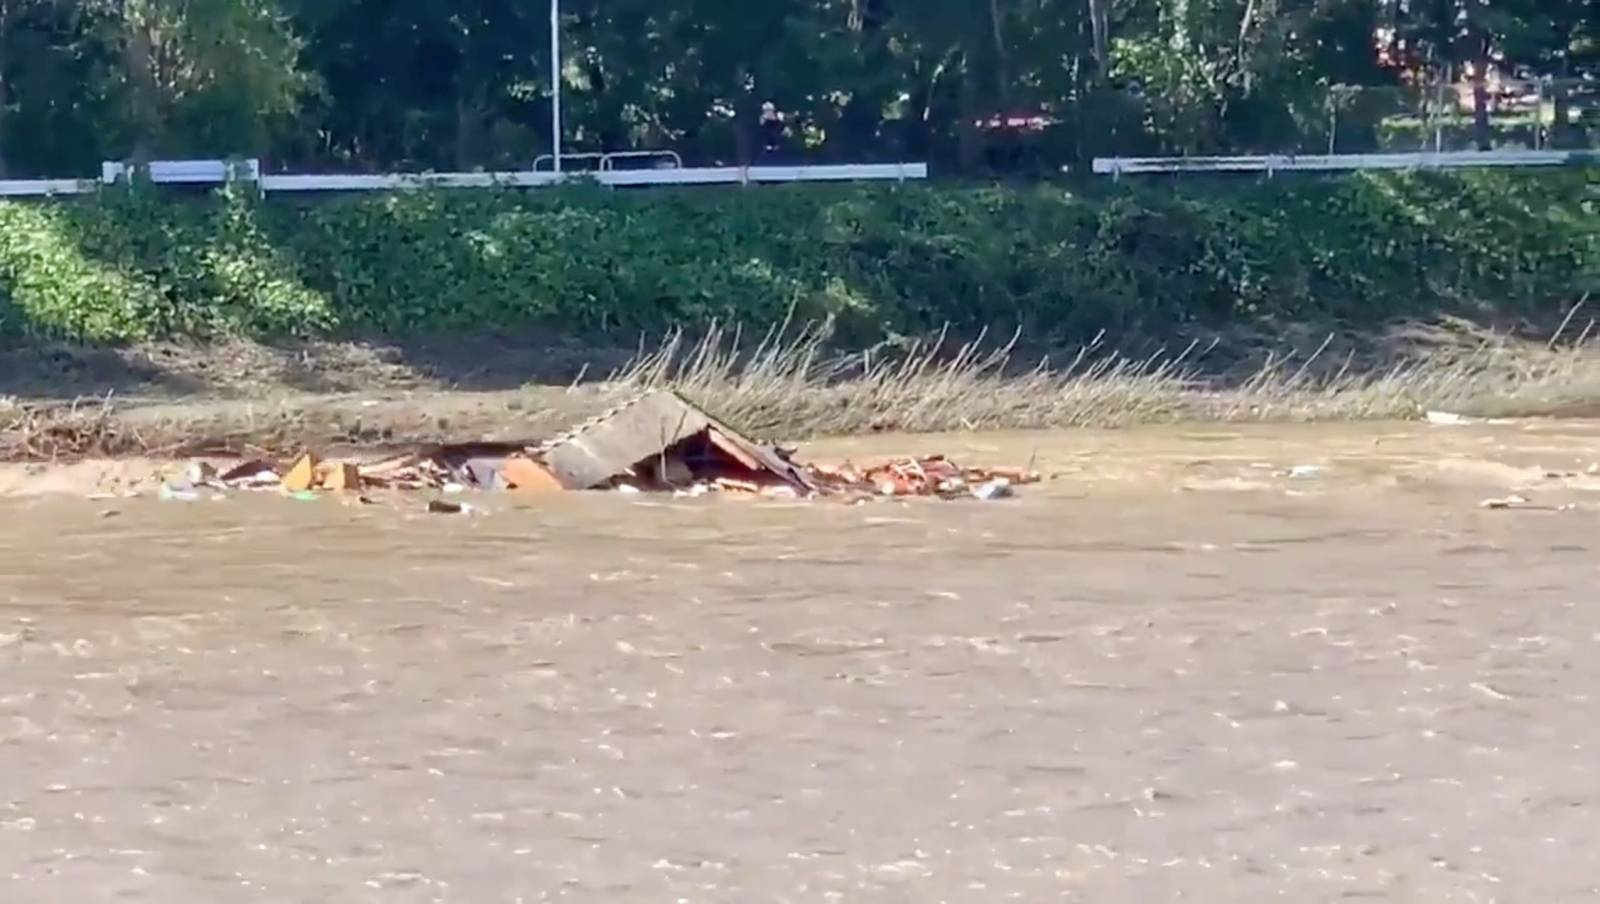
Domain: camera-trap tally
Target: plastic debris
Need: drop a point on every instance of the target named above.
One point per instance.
(1451, 419)
(998, 488)
(178, 492)
(201, 474)
(486, 473)
(1305, 472)
(1503, 503)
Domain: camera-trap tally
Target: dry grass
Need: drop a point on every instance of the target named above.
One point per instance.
(82, 429)
(791, 386)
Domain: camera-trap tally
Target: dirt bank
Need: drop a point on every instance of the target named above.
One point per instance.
(242, 369)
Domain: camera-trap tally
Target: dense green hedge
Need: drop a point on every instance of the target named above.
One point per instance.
(1157, 259)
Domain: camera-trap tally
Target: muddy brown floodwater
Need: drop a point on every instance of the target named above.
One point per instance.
(1183, 670)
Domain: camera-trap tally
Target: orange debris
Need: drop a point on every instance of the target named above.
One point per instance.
(528, 476)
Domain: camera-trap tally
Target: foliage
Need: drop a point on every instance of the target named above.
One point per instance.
(1153, 262)
(387, 84)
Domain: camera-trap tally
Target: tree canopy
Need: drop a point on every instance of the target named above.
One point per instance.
(385, 84)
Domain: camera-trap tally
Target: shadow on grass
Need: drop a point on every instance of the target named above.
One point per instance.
(57, 370)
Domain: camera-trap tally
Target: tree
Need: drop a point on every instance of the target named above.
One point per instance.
(385, 84)
(201, 76)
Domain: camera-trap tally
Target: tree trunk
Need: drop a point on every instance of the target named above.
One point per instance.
(1561, 114)
(745, 114)
(138, 51)
(5, 86)
(969, 148)
(1241, 55)
(470, 105)
(1100, 28)
(1560, 98)
(915, 138)
(1002, 56)
(464, 128)
(1480, 100)
(5, 108)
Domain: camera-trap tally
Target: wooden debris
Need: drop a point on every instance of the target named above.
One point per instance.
(343, 476)
(645, 435)
(302, 474)
(655, 443)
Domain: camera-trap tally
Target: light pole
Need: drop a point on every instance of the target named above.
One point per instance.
(555, 85)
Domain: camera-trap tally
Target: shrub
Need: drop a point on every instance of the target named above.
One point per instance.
(1154, 258)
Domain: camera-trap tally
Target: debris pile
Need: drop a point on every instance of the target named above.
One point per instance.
(932, 476)
(657, 443)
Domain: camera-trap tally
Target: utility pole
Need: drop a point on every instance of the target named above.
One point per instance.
(555, 85)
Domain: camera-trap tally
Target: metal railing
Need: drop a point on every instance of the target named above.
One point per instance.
(672, 158)
(1271, 164)
(607, 160)
(186, 172)
(546, 162)
(44, 188)
(221, 172)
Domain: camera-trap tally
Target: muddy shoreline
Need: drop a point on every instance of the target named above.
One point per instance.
(1549, 460)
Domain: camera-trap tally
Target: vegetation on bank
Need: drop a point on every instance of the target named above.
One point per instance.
(1149, 260)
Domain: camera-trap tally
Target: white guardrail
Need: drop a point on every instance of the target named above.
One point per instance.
(1276, 163)
(43, 188)
(218, 172)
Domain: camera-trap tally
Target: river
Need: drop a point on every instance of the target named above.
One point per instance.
(1294, 663)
